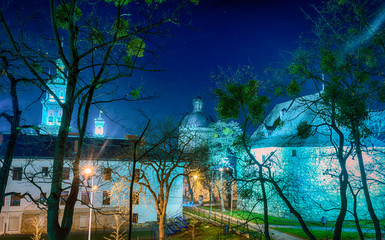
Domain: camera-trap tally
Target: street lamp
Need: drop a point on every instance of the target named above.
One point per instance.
(231, 204)
(89, 172)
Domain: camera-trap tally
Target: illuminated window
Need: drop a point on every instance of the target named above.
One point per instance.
(99, 130)
(135, 198)
(106, 198)
(135, 218)
(17, 173)
(85, 198)
(51, 98)
(50, 117)
(64, 197)
(59, 115)
(15, 199)
(61, 95)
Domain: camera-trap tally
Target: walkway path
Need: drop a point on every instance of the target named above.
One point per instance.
(277, 235)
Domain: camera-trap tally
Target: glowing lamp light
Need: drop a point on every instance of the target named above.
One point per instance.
(195, 176)
(88, 170)
(221, 169)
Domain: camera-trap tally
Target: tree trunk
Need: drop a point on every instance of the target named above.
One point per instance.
(190, 190)
(162, 222)
(293, 211)
(265, 206)
(7, 163)
(376, 222)
(355, 214)
(343, 178)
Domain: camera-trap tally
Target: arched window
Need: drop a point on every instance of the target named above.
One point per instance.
(59, 115)
(50, 117)
(61, 96)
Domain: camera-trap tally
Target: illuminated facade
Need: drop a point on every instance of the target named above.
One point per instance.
(99, 126)
(52, 112)
(307, 169)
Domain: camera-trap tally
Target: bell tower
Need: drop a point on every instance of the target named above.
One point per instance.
(51, 110)
(99, 126)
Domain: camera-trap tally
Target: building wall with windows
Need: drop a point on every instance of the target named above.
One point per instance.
(31, 178)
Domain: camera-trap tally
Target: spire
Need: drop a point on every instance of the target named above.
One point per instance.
(99, 125)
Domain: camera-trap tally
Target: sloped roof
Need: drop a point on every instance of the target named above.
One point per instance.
(288, 115)
(43, 146)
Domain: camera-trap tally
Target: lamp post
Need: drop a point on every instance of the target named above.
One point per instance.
(211, 193)
(221, 184)
(89, 172)
(231, 186)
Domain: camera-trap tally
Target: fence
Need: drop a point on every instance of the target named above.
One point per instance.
(228, 223)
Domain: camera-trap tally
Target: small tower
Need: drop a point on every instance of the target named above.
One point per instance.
(99, 126)
(51, 110)
(197, 104)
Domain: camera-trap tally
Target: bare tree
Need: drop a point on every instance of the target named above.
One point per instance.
(160, 166)
(97, 52)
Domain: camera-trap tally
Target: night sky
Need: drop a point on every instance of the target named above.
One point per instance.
(226, 33)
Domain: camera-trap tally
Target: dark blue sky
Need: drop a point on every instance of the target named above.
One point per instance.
(226, 33)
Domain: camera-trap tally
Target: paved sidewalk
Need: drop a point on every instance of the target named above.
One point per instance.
(277, 235)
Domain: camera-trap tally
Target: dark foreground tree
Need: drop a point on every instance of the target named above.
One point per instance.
(241, 100)
(97, 51)
(350, 52)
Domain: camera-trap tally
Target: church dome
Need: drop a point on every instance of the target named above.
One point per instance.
(198, 118)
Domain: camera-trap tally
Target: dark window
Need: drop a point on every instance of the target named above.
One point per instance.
(43, 198)
(66, 173)
(135, 218)
(17, 173)
(85, 198)
(107, 174)
(15, 199)
(106, 198)
(44, 171)
(135, 198)
(64, 197)
(293, 153)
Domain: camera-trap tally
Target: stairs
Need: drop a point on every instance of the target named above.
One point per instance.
(176, 224)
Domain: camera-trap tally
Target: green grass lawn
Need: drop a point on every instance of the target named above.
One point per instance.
(258, 218)
(319, 234)
(204, 230)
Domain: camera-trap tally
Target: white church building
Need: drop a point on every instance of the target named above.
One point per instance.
(32, 168)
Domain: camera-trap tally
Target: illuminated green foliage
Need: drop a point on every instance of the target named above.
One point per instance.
(123, 28)
(241, 97)
(304, 130)
(63, 15)
(119, 2)
(293, 89)
(278, 92)
(135, 47)
(96, 36)
(135, 93)
(328, 61)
